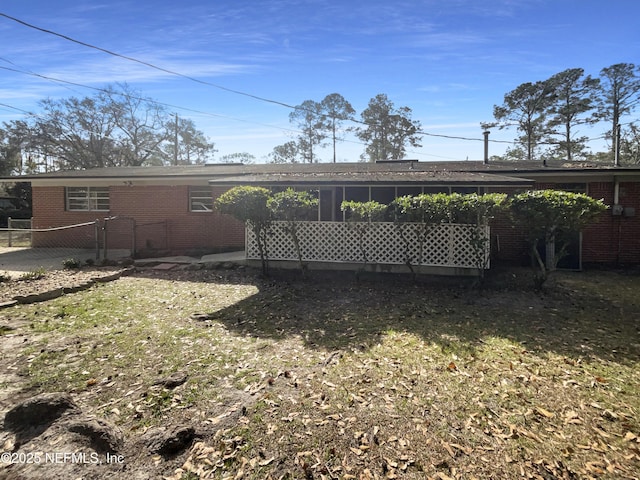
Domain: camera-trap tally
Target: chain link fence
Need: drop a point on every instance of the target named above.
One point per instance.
(23, 248)
(17, 233)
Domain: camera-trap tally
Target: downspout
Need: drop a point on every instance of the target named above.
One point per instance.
(486, 146)
(616, 201)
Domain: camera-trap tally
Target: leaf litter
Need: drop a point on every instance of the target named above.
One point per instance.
(344, 379)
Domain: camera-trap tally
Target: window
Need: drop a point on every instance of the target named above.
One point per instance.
(87, 198)
(200, 199)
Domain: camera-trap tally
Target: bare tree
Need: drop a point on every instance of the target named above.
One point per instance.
(285, 153)
(115, 127)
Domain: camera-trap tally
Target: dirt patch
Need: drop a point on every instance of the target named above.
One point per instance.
(33, 283)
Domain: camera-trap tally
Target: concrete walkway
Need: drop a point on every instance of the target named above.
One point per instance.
(238, 257)
(16, 261)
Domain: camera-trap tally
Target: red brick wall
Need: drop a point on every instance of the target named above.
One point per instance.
(614, 239)
(160, 213)
(163, 222)
(610, 239)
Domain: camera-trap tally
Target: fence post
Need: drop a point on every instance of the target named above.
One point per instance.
(97, 236)
(104, 239)
(9, 230)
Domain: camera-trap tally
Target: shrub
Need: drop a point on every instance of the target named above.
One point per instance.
(361, 216)
(72, 263)
(364, 211)
(550, 216)
(293, 206)
(249, 205)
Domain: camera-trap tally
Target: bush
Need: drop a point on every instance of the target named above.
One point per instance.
(550, 216)
(364, 211)
(249, 205)
(72, 263)
(292, 207)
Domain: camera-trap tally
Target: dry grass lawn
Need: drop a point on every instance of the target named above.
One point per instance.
(337, 379)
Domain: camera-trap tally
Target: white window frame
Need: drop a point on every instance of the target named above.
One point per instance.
(200, 200)
(87, 199)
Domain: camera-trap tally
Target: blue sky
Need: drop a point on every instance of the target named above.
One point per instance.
(450, 61)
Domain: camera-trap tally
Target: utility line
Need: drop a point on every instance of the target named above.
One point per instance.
(147, 64)
(204, 82)
(221, 87)
(128, 95)
(150, 100)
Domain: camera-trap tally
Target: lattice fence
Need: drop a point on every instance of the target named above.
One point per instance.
(450, 245)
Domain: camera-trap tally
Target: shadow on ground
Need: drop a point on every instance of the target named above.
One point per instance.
(334, 311)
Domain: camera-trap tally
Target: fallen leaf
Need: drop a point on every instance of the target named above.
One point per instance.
(467, 450)
(391, 463)
(543, 412)
(448, 449)
(601, 432)
(595, 467)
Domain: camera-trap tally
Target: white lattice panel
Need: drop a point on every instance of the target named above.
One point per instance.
(384, 243)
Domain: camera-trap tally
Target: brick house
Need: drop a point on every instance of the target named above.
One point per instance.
(169, 209)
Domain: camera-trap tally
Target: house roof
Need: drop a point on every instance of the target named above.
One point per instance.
(444, 177)
(404, 171)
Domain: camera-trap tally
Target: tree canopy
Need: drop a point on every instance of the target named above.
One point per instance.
(118, 126)
(389, 130)
(549, 113)
(114, 127)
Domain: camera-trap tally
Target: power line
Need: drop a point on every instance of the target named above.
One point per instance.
(104, 90)
(147, 64)
(15, 108)
(204, 82)
(227, 89)
(128, 95)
